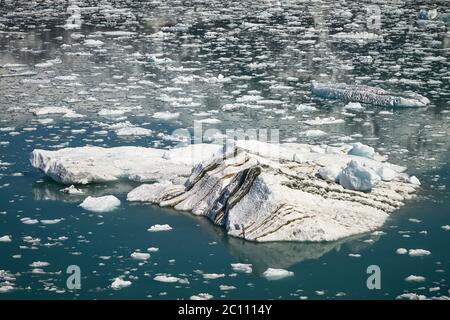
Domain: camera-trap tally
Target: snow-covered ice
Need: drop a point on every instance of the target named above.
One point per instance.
(277, 274)
(100, 204)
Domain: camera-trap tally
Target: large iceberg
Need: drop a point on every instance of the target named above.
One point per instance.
(366, 94)
(256, 191)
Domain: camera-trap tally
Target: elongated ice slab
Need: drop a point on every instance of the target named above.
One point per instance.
(366, 94)
(256, 191)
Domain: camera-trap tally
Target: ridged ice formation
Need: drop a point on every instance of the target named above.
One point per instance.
(369, 95)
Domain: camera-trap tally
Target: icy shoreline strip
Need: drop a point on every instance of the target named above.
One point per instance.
(366, 94)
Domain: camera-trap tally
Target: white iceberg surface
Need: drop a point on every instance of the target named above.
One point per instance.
(159, 228)
(369, 95)
(141, 256)
(100, 204)
(119, 283)
(255, 190)
(242, 267)
(6, 238)
(277, 274)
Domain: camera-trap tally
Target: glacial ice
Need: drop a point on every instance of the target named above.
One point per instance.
(277, 274)
(119, 283)
(255, 190)
(369, 95)
(6, 238)
(100, 204)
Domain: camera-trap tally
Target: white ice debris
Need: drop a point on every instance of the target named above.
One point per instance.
(414, 278)
(330, 173)
(51, 110)
(72, 190)
(277, 274)
(401, 251)
(159, 227)
(227, 185)
(93, 43)
(211, 276)
(51, 221)
(95, 164)
(170, 279)
(100, 204)
(166, 115)
(133, 131)
(418, 252)
(242, 267)
(414, 180)
(446, 227)
(142, 256)
(201, 296)
(362, 150)
(226, 287)
(6, 238)
(39, 264)
(119, 283)
(354, 106)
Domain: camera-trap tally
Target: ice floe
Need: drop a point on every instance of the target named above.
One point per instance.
(277, 274)
(142, 256)
(100, 204)
(6, 238)
(369, 95)
(119, 283)
(225, 185)
(159, 228)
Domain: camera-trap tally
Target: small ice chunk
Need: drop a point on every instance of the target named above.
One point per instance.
(277, 274)
(414, 180)
(242, 267)
(446, 227)
(72, 190)
(100, 204)
(356, 177)
(329, 173)
(211, 276)
(414, 278)
(362, 150)
(93, 43)
(201, 296)
(170, 279)
(401, 251)
(226, 288)
(133, 131)
(39, 264)
(153, 249)
(418, 252)
(6, 238)
(27, 220)
(353, 106)
(159, 227)
(118, 284)
(166, 115)
(140, 256)
(51, 221)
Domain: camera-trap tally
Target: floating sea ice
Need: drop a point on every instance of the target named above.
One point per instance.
(133, 131)
(353, 106)
(418, 252)
(166, 115)
(211, 276)
(112, 112)
(446, 227)
(401, 251)
(100, 204)
(170, 279)
(202, 296)
(27, 220)
(93, 43)
(277, 274)
(140, 256)
(356, 177)
(39, 264)
(6, 238)
(51, 221)
(51, 110)
(118, 284)
(72, 190)
(159, 227)
(414, 278)
(314, 133)
(6, 288)
(414, 180)
(386, 174)
(226, 288)
(242, 267)
(411, 296)
(153, 249)
(320, 121)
